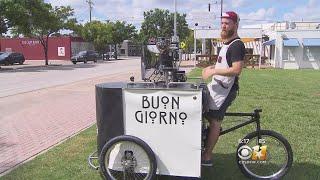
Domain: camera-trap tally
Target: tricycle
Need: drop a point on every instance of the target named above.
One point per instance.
(156, 127)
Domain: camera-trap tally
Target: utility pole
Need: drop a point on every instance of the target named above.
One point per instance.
(210, 40)
(90, 7)
(175, 21)
(221, 8)
(195, 44)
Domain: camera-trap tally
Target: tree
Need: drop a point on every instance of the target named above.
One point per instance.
(160, 23)
(138, 38)
(102, 34)
(37, 19)
(189, 41)
(122, 31)
(97, 32)
(3, 24)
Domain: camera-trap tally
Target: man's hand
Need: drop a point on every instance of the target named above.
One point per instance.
(208, 72)
(235, 70)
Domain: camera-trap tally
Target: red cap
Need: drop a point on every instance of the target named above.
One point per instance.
(231, 15)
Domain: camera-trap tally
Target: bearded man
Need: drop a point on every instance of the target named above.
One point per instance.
(224, 85)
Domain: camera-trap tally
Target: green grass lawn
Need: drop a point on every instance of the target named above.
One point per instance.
(290, 100)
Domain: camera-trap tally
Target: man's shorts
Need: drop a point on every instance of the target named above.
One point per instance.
(219, 114)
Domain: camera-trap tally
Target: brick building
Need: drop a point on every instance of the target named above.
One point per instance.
(60, 48)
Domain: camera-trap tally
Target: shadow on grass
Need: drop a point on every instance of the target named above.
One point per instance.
(305, 171)
(226, 168)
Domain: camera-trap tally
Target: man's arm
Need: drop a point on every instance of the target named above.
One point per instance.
(235, 70)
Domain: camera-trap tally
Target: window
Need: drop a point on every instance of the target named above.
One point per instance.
(82, 53)
(288, 54)
(311, 53)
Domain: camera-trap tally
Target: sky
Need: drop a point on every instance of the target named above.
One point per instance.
(250, 11)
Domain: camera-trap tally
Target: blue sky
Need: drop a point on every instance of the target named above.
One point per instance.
(250, 11)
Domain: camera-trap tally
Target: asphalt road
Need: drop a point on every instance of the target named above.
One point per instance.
(22, 80)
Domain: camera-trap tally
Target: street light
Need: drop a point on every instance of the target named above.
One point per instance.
(195, 43)
(175, 18)
(175, 37)
(90, 3)
(221, 8)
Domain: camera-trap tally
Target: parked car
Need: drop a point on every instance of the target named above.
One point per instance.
(108, 55)
(84, 56)
(10, 58)
(97, 54)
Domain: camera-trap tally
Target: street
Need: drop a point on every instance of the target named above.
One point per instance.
(28, 79)
(41, 106)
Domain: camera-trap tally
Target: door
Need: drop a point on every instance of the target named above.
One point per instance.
(90, 55)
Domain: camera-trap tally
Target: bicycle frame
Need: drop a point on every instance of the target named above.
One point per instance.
(254, 118)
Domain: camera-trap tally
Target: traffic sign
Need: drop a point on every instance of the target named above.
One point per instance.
(183, 45)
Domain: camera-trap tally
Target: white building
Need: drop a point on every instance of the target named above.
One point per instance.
(294, 45)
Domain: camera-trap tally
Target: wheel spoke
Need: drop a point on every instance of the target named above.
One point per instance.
(131, 160)
(278, 156)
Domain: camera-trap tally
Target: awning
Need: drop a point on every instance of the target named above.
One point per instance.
(244, 40)
(291, 42)
(271, 42)
(311, 42)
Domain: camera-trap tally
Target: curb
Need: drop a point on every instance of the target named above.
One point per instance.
(4, 68)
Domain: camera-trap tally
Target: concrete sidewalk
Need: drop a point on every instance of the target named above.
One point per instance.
(35, 121)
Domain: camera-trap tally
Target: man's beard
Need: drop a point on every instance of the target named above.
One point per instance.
(226, 34)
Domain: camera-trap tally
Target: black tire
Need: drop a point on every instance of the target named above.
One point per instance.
(137, 145)
(74, 62)
(21, 62)
(263, 165)
(85, 61)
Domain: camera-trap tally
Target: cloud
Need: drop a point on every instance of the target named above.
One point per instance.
(131, 11)
(238, 3)
(308, 12)
(80, 7)
(262, 15)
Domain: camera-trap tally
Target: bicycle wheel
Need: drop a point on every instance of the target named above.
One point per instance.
(128, 158)
(268, 158)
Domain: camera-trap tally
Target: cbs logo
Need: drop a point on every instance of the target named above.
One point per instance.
(245, 152)
(257, 153)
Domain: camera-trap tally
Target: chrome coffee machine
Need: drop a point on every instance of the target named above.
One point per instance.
(160, 62)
